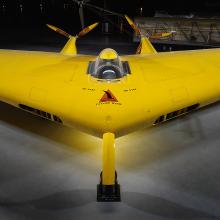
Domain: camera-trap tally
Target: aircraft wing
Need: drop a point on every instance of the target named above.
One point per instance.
(159, 87)
(174, 83)
(41, 83)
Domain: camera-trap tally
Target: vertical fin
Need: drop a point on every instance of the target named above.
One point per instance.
(70, 47)
(145, 47)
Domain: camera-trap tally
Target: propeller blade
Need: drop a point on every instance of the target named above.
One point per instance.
(162, 35)
(133, 25)
(59, 31)
(81, 15)
(87, 29)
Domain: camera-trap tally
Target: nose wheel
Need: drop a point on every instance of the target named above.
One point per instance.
(108, 190)
(108, 193)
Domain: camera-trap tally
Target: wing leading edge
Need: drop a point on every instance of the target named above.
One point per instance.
(160, 85)
(178, 82)
(41, 83)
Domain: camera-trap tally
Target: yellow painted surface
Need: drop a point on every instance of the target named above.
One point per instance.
(70, 47)
(57, 84)
(146, 47)
(158, 84)
(108, 159)
(108, 54)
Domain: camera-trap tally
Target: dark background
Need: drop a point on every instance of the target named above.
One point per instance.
(65, 13)
(22, 22)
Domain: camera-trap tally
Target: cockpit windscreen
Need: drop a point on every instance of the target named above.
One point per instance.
(108, 66)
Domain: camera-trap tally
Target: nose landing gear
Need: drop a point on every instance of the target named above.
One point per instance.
(108, 193)
(108, 190)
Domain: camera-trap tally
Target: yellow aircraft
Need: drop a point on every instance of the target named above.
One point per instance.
(109, 95)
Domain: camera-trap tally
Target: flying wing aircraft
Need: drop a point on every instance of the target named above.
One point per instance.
(109, 95)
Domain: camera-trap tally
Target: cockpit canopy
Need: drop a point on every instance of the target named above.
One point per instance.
(108, 66)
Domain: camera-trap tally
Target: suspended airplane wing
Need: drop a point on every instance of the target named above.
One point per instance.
(110, 95)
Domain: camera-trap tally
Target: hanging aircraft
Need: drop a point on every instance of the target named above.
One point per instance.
(109, 95)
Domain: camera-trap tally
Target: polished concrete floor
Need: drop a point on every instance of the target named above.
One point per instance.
(168, 172)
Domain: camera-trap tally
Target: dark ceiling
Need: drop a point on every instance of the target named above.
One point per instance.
(37, 12)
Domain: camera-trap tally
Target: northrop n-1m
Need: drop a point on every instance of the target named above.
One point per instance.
(109, 95)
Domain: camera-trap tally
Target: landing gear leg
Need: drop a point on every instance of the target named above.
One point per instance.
(108, 190)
